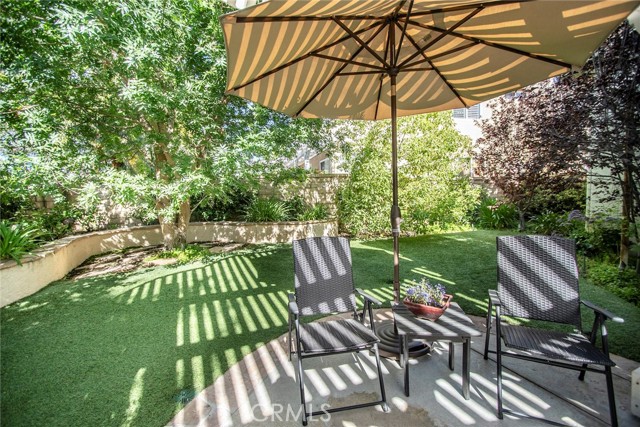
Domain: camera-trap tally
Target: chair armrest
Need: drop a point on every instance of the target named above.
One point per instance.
(494, 298)
(293, 308)
(293, 305)
(367, 297)
(602, 311)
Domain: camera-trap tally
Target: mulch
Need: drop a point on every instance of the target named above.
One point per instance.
(135, 258)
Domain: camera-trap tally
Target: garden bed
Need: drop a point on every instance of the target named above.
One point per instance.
(56, 259)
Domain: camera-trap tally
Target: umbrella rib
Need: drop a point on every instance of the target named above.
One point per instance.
(260, 19)
(493, 45)
(337, 73)
(419, 69)
(440, 55)
(361, 42)
(311, 98)
(359, 73)
(449, 85)
(386, 53)
(455, 50)
(400, 6)
(402, 34)
(308, 55)
(444, 33)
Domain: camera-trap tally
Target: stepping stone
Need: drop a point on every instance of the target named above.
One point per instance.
(226, 248)
(162, 261)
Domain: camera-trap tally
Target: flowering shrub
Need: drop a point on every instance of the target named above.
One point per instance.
(424, 292)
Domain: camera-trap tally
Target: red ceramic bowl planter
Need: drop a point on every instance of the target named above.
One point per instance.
(428, 312)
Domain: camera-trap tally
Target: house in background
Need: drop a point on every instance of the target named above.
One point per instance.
(466, 122)
(313, 160)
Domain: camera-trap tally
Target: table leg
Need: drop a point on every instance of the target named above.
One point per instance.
(451, 355)
(401, 359)
(466, 366)
(405, 352)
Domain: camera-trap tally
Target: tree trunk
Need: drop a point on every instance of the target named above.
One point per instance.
(168, 230)
(169, 226)
(184, 217)
(625, 242)
(521, 223)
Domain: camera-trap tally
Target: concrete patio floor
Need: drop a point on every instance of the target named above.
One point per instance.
(262, 390)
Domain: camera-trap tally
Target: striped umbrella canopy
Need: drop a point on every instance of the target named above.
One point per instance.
(379, 59)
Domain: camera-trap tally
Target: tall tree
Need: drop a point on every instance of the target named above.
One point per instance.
(608, 93)
(524, 150)
(139, 85)
(433, 163)
(591, 117)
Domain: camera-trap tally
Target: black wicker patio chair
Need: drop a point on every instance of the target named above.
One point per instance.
(538, 279)
(324, 285)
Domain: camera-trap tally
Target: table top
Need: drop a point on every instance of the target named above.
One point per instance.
(453, 323)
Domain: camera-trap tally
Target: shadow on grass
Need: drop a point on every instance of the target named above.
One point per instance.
(129, 350)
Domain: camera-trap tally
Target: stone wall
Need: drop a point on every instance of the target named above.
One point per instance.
(318, 188)
(56, 259)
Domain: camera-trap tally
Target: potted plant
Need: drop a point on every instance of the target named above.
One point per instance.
(427, 300)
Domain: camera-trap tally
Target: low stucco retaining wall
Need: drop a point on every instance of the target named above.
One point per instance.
(54, 260)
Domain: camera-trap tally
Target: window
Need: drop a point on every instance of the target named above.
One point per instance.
(324, 165)
(467, 113)
(474, 112)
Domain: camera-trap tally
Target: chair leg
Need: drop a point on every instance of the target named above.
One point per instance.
(499, 382)
(290, 343)
(487, 335)
(499, 366)
(612, 398)
(582, 372)
(301, 384)
(385, 407)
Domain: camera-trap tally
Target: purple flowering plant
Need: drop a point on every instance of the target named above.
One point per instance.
(427, 293)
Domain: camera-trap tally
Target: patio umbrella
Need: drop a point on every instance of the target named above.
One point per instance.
(380, 59)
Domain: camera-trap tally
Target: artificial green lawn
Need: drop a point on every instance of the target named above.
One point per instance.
(117, 350)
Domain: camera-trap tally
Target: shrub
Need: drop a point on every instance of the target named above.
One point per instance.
(295, 207)
(229, 207)
(491, 214)
(588, 243)
(569, 199)
(443, 210)
(598, 237)
(16, 240)
(419, 220)
(433, 190)
(608, 231)
(550, 224)
(51, 224)
(624, 283)
(267, 210)
(313, 213)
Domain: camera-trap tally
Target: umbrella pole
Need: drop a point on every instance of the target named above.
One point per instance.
(396, 217)
(386, 330)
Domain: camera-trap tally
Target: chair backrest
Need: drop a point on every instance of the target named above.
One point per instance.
(538, 278)
(323, 276)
